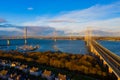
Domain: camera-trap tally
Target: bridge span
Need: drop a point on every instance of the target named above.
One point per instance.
(110, 59)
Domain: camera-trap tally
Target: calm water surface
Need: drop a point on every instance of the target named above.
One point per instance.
(69, 46)
(113, 46)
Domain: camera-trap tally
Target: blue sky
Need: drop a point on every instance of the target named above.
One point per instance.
(62, 14)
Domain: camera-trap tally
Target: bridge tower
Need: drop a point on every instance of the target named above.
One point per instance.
(108, 58)
(88, 36)
(55, 36)
(8, 42)
(25, 35)
(70, 36)
(55, 44)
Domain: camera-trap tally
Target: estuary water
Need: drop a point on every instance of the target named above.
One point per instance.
(69, 46)
(113, 46)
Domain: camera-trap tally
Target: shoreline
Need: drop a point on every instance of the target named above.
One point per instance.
(33, 58)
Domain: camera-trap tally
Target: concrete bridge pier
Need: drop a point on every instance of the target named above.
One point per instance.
(25, 41)
(94, 51)
(105, 65)
(8, 42)
(110, 70)
(104, 62)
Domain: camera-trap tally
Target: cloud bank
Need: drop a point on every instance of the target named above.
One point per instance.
(97, 16)
(2, 20)
(105, 18)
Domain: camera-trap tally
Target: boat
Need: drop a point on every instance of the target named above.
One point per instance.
(26, 47)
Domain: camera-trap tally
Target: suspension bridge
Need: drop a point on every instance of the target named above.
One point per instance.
(108, 58)
(111, 60)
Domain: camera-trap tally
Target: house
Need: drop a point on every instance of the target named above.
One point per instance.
(38, 73)
(23, 66)
(61, 77)
(48, 75)
(3, 73)
(13, 64)
(35, 71)
(3, 62)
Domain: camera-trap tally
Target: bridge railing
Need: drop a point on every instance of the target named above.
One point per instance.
(115, 65)
(109, 52)
(102, 49)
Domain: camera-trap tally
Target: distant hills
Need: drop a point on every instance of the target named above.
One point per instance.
(13, 30)
(105, 33)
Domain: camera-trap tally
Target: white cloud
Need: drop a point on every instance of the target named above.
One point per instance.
(98, 16)
(10, 29)
(30, 8)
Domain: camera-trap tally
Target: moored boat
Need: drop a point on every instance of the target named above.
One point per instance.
(28, 48)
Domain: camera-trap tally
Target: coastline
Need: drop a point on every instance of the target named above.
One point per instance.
(74, 64)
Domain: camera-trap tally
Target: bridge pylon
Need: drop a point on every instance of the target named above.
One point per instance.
(88, 36)
(8, 42)
(25, 35)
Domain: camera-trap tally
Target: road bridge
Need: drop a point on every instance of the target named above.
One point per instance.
(109, 58)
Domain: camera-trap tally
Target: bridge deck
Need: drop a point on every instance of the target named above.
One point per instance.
(113, 61)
